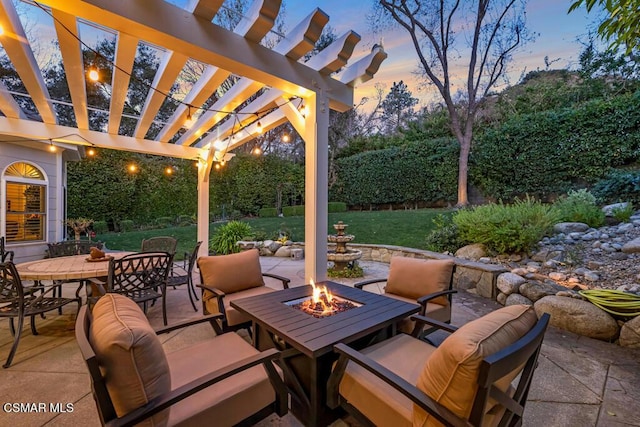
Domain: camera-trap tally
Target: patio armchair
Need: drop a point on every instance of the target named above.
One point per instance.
(184, 275)
(425, 282)
(72, 247)
(5, 255)
(479, 376)
(142, 277)
(225, 278)
(221, 381)
(160, 244)
(16, 302)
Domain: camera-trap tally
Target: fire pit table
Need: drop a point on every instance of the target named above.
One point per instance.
(306, 338)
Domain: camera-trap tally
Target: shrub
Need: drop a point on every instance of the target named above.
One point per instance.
(293, 210)
(100, 227)
(445, 236)
(225, 237)
(268, 212)
(126, 225)
(164, 221)
(337, 207)
(503, 228)
(623, 214)
(619, 186)
(579, 206)
(352, 270)
(185, 220)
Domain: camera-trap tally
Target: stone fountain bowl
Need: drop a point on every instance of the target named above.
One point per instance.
(350, 255)
(333, 238)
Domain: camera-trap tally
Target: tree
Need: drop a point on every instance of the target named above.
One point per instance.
(397, 107)
(495, 31)
(621, 26)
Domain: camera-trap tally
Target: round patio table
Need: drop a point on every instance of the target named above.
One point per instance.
(67, 268)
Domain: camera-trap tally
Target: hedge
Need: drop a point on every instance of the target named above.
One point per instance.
(268, 212)
(293, 210)
(337, 207)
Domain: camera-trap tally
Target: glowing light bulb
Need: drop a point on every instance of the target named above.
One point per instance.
(94, 76)
(132, 168)
(91, 152)
(257, 151)
(259, 127)
(190, 121)
(169, 170)
(217, 166)
(285, 137)
(52, 148)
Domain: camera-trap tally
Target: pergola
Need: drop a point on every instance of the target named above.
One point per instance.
(275, 74)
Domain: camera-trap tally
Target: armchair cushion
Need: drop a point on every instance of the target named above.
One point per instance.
(232, 273)
(127, 347)
(438, 312)
(450, 375)
(234, 317)
(413, 278)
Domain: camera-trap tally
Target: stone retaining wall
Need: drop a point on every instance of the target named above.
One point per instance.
(471, 276)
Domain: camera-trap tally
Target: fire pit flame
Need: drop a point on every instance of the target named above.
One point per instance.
(322, 303)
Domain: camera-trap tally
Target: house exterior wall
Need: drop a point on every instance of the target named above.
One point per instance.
(53, 165)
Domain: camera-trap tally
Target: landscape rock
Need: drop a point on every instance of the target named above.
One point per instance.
(284, 252)
(579, 317)
(630, 333)
(625, 228)
(515, 299)
(632, 246)
(590, 276)
(473, 252)
(570, 227)
(502, 298)
(560, 277)
(609, 209)
(509, 283)
(536, 290)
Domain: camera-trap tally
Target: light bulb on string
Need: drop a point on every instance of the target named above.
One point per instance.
(189, 122)
(217, 166)
(94, 75)
(132, 168)
(91, 152)
(285, 137)
(169, 170)
(52, 147)
(257, 151)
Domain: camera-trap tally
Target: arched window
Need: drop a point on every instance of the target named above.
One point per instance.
(25, 194)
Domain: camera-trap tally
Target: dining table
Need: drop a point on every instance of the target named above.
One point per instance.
(75, 268)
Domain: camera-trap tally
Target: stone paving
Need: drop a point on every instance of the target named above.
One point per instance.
(579, 381)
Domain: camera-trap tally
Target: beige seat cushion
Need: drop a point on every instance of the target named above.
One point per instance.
(413, 278)
(130, 354)
(378, 401)
(232, 273)
(450, 375)
(227, 402)
(438, 312)
(234, 317)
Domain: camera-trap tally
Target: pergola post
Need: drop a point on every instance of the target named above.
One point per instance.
(316, 137)
(204, 170)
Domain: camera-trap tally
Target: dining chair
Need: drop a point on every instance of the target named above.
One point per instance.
(183, 275)
(225, 278)
(72, 247)
(16, 302)
(141, 277)
(427, 283)
(221, 381)
(479, 376)
(160, 244)
(5, 255)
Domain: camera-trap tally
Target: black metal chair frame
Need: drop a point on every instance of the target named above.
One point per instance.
(159, 244)
(423, 300)
(185, 274)
(5, 255)
(72, 247)
(105, 406)
(16, 302)
(220, 297)
(524, 352)
(141, 277)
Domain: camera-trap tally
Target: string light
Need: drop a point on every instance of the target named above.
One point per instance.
(217, 166)
(52, 147)
(91, 152)
(169, 170)
(259, 127)
(133, 168)
(257, 151)
(285, 137)
(190, 120)
(94, 75)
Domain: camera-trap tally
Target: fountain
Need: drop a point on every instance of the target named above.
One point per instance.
(342, 256)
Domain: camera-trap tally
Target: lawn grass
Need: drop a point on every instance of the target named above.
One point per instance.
(401, 228)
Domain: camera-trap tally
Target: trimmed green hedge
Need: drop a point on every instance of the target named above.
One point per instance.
(293, 210)
(126, 225)
(548, 153)
(337, 207)
(419, 171)
(268, 212)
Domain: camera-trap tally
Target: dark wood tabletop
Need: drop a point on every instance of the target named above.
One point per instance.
(316, 336)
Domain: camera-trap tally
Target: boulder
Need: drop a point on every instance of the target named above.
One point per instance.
(632, 246)
(509, 283)
(284, 252)
(609, 209)
(570, 227)
(547, 255)
(515, 299)
(630, 333)
(579, 317)
(501, 298)
(473, 252)
(535, 290)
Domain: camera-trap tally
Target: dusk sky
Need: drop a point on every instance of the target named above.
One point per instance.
(557, 39)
